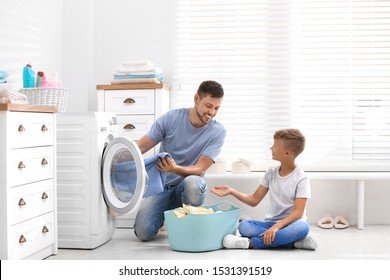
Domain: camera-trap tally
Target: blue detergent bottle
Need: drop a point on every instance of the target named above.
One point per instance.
(28, 77)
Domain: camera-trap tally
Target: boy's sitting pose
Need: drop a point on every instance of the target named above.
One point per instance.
(289, 188)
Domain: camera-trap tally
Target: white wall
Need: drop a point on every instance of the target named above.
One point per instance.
(30, 32)
(78, 53)
(100, 34)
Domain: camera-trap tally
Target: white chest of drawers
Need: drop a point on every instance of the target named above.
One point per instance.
(28, 217)
(137, 107)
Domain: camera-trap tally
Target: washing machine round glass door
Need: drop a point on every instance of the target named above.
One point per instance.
(123, 175)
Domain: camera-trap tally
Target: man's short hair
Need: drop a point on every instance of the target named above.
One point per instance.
(212, 88)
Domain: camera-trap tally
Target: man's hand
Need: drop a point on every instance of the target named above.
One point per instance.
(166, 164)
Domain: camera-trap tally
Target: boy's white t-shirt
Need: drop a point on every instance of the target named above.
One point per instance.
(284, 190)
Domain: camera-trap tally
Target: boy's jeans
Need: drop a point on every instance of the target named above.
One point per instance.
(150, 217)
(284, 237)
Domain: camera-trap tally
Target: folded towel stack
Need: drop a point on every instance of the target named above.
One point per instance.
(137, 71)
(11, 94)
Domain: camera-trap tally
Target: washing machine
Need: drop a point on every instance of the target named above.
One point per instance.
(88, 146)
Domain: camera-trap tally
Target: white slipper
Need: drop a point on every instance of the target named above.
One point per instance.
(340, 222)
(326, 222)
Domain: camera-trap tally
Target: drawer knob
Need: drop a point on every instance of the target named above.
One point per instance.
(45, 229)
(21, 165)
(45, 196)
(129, 100)
(21, 202)
(22, 239)
(44, 128)
(21, 128)
(129, 126)
(44, 161)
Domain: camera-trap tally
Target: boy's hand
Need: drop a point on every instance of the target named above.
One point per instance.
(269, 236)
(221, 190)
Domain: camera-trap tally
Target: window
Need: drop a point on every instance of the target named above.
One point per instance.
(20, 34)
(322, 66)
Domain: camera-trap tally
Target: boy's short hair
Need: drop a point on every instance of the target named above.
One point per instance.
(293, 139)
(212, 88)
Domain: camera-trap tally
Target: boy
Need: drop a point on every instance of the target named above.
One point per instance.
(285, 222)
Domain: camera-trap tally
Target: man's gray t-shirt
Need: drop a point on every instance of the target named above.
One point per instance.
(284, 190)
(184, 142)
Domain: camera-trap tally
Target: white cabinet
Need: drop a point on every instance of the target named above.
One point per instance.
(137, 107)
(28, 216)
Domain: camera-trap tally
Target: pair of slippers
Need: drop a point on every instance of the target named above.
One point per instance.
(328, 222)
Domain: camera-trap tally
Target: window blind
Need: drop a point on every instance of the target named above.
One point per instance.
(321, 66)
(20, 33)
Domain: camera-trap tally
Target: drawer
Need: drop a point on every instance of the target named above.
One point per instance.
(30, 165)
(31, 236)
(28, 201)
(30, 129)
(129, 101)
(134, 126)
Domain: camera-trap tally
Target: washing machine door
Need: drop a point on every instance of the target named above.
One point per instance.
(123, 175)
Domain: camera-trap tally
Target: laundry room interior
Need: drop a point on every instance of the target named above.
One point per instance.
(112, 69)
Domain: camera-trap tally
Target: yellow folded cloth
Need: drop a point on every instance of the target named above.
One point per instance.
(182, 212)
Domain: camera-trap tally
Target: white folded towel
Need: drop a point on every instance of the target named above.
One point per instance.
(155, 71)
(136, 69)
(137, 81)
(11, 94)
(143, 62)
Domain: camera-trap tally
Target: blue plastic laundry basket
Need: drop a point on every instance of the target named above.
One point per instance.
(202, 232)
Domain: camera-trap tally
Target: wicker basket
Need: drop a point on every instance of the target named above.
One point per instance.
(47, 96)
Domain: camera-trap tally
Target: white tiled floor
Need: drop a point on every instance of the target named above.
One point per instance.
(371, 243)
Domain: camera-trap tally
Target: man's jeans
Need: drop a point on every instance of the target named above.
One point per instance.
(284, 237)
(150, 217)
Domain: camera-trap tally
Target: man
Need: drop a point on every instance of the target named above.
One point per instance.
(193, 140)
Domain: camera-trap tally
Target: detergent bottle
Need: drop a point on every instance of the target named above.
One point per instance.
(28, 76)
(53, 80)
(40, 74)
(43, 82)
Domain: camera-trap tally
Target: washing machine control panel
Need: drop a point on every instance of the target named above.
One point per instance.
(113, 124)
(108, 123)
